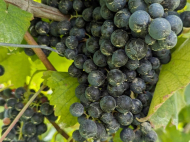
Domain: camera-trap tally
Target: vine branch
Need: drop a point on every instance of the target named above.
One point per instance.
(49, 66)
(30, 40)
(39, 10)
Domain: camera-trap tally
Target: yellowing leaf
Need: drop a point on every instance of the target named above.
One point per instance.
(173, 76)
(63, 96)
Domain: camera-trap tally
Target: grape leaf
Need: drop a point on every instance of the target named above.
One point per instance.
(63, 86)
(17, 68)
(169, 110)
(173, 76)
(14, 22)
(60, 63)
(171, 134)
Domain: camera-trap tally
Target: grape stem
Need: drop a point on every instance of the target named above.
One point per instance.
(27, 46)
(30, 40)
(20, 114)
(39, 10)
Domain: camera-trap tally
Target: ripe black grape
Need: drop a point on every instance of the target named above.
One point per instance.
(107, 118)
(87, 14)
(136, 106)
(89, 66)
(107, 29)
(64, 27)
(106, 13)
(78, 5)
(96, 14)
(46, 109)
(88, 129)
(42, 28)
(113, 127)
(124, 104)
(107, 48)
(77, 137)
(99, 59)
(119, 38)
(92, 44)
(115, 77)
(11, 103)
(79, 23)
(127, 135)
(94, 110)
(76, 109)
(135, 5)
(78, 32)
(139, 21)
(136, 49)
(124, 119)
(74, 71)
(53, 29)
(96, 78)
(159, 28)
(92, 93)
(60, 47)
(37, 118)
(121, 18)
(119, 58)
(138, 85)
(176, 23)
(107, 104)
(156, 10)
(116, 91)
(7, 92)
(41, 128)
(65, 6)
(29, 129)
(80, 60)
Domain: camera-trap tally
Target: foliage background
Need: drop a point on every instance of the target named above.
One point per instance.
(169, 111)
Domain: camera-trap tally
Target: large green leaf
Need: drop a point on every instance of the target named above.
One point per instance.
(17, 68)
(173, 76)
(171, 134)
(63, 96)
(14, 22)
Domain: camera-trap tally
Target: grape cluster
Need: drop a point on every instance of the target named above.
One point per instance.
(31, 124)
(118, 47)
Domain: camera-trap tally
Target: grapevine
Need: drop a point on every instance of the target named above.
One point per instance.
(117, 51)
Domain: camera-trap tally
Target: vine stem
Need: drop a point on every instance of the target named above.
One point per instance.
(20, 114)
(30, 40)
(28, 46)
(39, 10)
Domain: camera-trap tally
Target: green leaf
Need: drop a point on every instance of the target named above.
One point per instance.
(63, 95)
(173, 76)
(17, 68)
(171, 134)
(14, 22)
